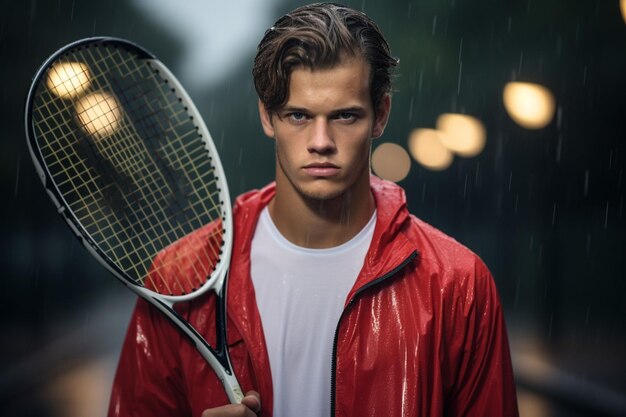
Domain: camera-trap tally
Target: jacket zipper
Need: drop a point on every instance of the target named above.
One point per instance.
(356, 295)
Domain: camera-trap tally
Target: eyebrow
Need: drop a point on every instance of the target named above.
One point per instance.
(351, 109)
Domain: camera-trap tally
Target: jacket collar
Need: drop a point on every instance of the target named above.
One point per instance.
(389, 246)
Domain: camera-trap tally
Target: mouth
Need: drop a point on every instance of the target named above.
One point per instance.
(321, 169)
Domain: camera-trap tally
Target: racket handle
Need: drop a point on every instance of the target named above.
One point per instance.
(218, 360)
(232, 388)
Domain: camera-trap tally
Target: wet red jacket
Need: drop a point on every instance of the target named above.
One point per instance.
(422, 332)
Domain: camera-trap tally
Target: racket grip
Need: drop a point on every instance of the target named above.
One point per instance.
(232, 388)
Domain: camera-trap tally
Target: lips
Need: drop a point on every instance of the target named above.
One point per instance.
(321, 169)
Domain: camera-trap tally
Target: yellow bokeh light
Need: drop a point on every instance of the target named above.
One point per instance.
(463, 135)
(68, 79)
(391, 162)
(426, 147)
(622, 6)
(99, 114)
(529, 105)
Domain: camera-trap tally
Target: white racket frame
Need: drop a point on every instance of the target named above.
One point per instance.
(165, 303)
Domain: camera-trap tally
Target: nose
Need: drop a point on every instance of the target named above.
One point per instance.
(321, 139)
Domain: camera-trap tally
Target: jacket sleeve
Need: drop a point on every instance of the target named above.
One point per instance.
(148, 380)
(484, 384)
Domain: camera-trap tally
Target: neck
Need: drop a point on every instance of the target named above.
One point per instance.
(317, 224)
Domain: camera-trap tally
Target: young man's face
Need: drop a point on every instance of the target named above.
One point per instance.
(323, 132)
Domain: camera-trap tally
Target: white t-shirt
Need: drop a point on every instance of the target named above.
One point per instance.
(301, 293)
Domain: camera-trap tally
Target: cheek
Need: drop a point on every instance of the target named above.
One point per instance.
(362, 151)
(284, 153)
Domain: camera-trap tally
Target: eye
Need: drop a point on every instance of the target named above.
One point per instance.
(297, 116)
(346, 116)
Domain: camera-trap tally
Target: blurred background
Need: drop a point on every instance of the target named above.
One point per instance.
(508, 132)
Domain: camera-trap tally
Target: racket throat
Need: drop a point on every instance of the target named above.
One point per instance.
(218, 353)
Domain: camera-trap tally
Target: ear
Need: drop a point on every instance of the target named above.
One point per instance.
(266, 120)
(382, 116)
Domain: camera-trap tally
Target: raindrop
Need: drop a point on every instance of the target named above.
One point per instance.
(434, 25)
(458, 84)
(586, 182)
(419, 86)
(553, 214)
(465, 188)
(606, 216)
(559, 46)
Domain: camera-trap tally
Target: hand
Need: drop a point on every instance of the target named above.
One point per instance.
(249, 407)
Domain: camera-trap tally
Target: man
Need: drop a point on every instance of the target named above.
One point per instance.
(339, 301)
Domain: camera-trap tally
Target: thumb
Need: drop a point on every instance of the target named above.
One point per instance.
(252, 400)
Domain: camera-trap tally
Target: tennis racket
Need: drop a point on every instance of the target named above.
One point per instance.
(126, 158)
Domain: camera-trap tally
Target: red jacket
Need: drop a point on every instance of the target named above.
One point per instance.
(422, 332)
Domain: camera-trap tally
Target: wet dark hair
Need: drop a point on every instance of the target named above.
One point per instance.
(318, 36)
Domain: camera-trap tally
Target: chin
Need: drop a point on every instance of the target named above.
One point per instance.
(317, 193)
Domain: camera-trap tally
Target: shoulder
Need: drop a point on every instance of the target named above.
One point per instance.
(439, 248)
(254, 199)
(451, 266)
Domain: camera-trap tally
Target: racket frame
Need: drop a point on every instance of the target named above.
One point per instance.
(217, 357)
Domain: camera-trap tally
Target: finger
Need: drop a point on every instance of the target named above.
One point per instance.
(252, 400)
(230, 410)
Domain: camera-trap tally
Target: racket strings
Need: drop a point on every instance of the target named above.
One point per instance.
(140, 147)
(119, 157)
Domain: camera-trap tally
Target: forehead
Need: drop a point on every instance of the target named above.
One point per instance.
(346, 81)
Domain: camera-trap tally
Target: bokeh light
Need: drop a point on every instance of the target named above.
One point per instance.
(529, 105)
(391, 162)
(426, 147)
(622, 6)
(464, 135)
(99, 114)
(68, 79)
